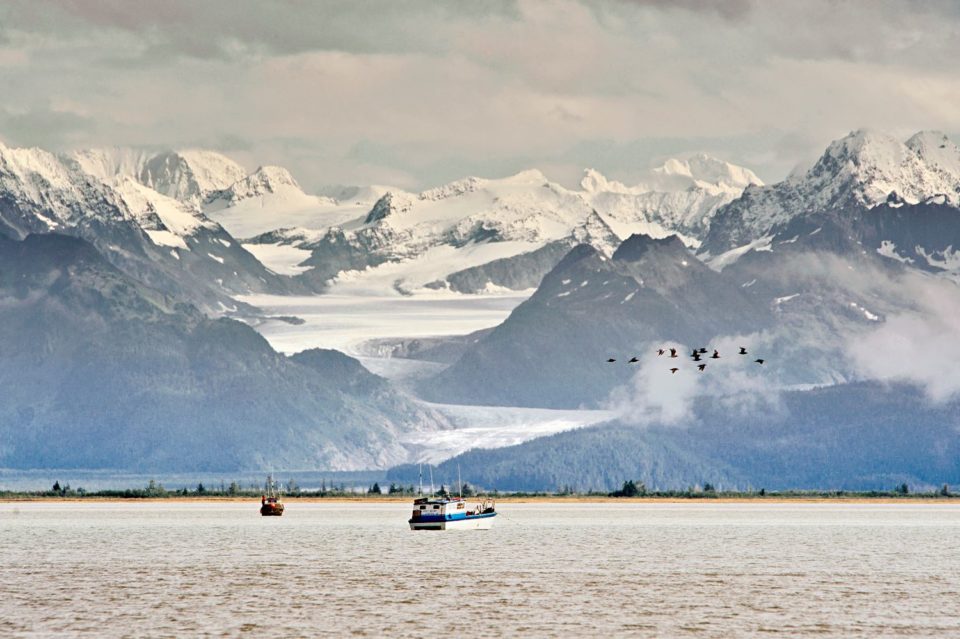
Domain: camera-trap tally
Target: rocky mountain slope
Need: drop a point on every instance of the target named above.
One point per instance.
(552, 350)
(887, 193)
(100, 371)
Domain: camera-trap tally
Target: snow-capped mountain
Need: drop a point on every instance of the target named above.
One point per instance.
(163, 242)
(188, 176)
(430, 239)
(863, 172)
(270, 200)
(678, 197)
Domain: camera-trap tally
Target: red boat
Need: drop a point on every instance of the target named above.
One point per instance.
(270, 504)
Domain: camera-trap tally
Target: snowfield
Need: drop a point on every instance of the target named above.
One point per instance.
(345, 321)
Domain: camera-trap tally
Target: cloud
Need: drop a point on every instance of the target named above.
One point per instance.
(655, 396)
(47, 128)
(847, 320)
(488, 86)
(920, 347)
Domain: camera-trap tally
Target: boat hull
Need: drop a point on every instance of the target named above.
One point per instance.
(483, 522)
(271, 510)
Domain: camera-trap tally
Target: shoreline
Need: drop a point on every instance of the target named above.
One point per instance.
(538, 499)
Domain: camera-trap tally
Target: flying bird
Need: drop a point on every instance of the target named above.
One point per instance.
(673, 352)
(701, 367)
(673, 370)
(715, 355)
(759, 361)
(743, 351)
(633, 360)
(611, 360)
(696, 356)
(660, 352)
(703, 350)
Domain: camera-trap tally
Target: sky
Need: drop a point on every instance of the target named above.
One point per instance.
(414, 94)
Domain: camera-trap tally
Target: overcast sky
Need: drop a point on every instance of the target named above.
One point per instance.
(418, 93)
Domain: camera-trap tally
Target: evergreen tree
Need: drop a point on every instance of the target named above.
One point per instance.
(201, 489)
(945, 491)
(630, 489)
(375, 489)
(56, 487)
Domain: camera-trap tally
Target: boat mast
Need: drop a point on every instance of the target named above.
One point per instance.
(420, 489)
(431, 480)
(459, 481)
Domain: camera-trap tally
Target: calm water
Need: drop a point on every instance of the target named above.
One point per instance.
(667, 570)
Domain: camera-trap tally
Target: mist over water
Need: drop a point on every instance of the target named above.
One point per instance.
(579, 569)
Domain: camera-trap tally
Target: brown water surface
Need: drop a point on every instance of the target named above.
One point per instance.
(354, 569)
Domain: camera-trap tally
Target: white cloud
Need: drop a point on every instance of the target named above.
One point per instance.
(737, 385)
(920, 347)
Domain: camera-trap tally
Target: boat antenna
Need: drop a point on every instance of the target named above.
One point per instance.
(459, 482)
(420, 490)
(431, 480)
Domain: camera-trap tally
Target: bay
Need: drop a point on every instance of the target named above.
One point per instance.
(174, 569)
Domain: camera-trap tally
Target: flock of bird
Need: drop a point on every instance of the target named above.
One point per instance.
(697, 355)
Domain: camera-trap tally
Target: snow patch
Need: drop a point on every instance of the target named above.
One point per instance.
(166, 238)
(870, 316)
(889, 249)
(727, 258)
(215, 257)
(947, 259)
(780, 300)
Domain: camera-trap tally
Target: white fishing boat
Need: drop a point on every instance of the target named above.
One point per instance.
(451, 513)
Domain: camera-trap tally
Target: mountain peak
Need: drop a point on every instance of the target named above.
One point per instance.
(595, 182)
(703, 171)
(386, 206)
(638, 246)
(272, 178)
(534, 176)
(857, 172)
(189, 175)
(265, 181)
(938, 151)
